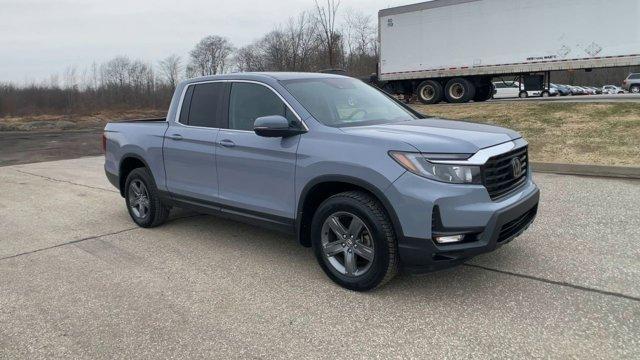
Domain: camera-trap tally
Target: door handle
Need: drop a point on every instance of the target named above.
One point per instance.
(227, 143)
(176, 137)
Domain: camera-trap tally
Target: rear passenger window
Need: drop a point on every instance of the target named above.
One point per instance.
(634, 77)
(206, 105)
(186, 103)
(250, 101)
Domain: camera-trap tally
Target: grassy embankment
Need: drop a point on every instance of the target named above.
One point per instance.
(577, 133)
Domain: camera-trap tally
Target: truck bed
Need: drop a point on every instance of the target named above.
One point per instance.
(164, 119)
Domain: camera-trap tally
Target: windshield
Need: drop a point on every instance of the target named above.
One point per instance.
(341, 102)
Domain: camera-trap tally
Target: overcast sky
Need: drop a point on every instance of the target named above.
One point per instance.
(42, 37)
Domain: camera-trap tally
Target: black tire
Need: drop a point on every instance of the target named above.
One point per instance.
(635, 89)
(385, 260)
(545, 94)
(523, 94)
(483, 93)
(459, 90)
(429, 92)
(157, 212)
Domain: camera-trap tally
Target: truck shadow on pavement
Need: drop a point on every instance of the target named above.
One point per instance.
(282, 260)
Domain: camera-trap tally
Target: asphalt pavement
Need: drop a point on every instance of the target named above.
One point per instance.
(79, 280)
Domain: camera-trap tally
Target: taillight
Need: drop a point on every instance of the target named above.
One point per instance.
(104, 143)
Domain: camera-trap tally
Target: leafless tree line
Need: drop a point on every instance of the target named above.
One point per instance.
(314, 41)
(324, 37)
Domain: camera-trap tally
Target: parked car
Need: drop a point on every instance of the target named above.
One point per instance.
(511, 89)
(632, 83)
(505, 90)
(587, 91)
(596, 90)
(371, 185)
(563, 90)
(576, 90)
(612, 89)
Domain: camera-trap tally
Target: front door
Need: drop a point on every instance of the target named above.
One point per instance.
(189, 145)
(256, 174)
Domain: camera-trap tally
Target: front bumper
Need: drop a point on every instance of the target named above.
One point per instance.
(427, 208)
(424, 255)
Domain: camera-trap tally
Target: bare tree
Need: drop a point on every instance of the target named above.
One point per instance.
(210, 56)
(361, 40)
(301, 34)
(170, 69)
(250, 58)
(326, 17)
(71, 77)
(360, 33)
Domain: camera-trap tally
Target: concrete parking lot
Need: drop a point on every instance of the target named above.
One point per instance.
(79, 280)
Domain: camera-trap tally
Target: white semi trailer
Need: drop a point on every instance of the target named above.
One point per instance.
(451, 49)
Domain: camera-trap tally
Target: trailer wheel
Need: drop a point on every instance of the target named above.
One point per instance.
(429, 92)
(524, 94)
(484, 93)
(459, 90)
(545, 94)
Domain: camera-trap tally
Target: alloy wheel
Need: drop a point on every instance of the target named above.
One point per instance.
(138, 196)
(347, 244)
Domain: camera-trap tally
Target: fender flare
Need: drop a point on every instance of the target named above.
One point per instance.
(379, 194)
(128, 156)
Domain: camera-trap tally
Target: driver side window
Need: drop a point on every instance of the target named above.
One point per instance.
(249, 101)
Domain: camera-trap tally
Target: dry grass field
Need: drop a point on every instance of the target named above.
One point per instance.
(577, 133)
(73, 121)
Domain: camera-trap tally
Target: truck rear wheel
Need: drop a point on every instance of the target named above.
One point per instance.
(429, 92)
(143, 201)
(459, 90)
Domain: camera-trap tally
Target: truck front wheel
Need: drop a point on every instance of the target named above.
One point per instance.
(429, 92)
(459, 90)
(354, 241)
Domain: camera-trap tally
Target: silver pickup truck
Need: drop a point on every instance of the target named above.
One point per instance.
(371, 185)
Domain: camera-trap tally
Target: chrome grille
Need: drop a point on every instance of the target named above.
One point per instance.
(500, 175)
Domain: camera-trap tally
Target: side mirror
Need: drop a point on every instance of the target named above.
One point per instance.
(275, 126)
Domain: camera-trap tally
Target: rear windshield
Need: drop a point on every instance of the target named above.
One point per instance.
(341, 102)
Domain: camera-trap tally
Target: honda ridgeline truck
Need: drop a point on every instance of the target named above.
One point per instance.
(370, 184)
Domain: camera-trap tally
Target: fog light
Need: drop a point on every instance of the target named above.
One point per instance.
(449, 239)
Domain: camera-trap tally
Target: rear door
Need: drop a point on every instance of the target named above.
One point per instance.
(256, 173)
(189, 146)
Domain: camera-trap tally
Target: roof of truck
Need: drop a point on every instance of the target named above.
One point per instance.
(261, 76)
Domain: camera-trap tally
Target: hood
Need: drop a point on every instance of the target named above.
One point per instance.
(439, 136)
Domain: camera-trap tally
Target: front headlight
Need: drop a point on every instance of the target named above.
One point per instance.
(419, 164)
